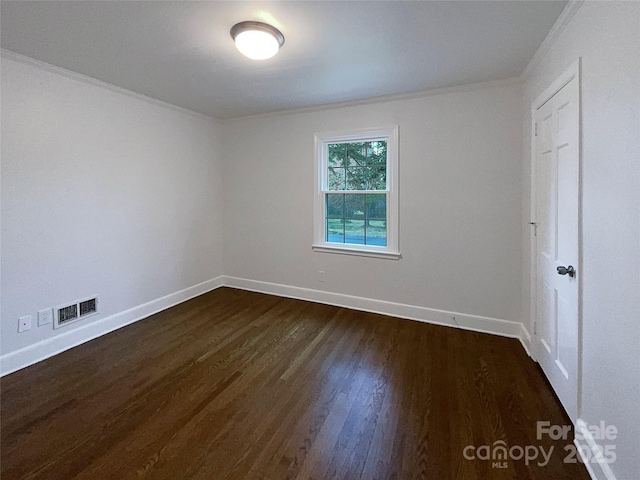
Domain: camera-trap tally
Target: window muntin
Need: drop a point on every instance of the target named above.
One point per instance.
(356, 204)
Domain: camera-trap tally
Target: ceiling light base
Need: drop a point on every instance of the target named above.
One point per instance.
(257, 40)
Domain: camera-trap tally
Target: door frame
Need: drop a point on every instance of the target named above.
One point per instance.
(573, 72)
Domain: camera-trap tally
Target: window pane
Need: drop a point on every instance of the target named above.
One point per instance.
(377, 153)
(336, 179)
(335, 205)
(354, 205)
(356, 154)
(377, 179)
(376, 206)
(337, 152)
(354, 231)
(357, 178)
(366, 178)
(376, 232)
(335, 230)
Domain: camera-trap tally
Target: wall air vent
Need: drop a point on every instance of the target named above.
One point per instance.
(88, 307)
(67, 314)
(64, 315)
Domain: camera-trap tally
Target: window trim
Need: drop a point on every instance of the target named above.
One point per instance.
(321, 142)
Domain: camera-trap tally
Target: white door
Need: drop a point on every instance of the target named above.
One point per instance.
(557, 160)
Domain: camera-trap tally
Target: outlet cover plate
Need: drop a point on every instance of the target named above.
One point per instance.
(24, 323)
(45, 317)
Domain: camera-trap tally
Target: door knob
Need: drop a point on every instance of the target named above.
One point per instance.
(567, 271)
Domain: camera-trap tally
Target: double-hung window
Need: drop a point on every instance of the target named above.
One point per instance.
(356, 204)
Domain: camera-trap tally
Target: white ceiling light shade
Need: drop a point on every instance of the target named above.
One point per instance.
(257, 40)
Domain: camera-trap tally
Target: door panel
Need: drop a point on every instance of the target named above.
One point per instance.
(557, 183)
(548, 329)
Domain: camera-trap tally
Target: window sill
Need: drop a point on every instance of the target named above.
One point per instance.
(356, 251)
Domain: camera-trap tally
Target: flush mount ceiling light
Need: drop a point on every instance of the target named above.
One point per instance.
(257, 40)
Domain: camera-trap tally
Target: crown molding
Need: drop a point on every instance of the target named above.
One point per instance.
(382, 99)
(561, 23)
(10, 55)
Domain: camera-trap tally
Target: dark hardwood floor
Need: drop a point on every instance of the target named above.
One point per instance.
(242, 385)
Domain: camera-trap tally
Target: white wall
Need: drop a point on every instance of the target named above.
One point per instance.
(102, 193)
(460, 202)
(607, 37)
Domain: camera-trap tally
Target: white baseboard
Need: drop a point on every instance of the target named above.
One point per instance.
(596, 466)
(52, 346)
(525, 340)
(31, 354)
(496, 326)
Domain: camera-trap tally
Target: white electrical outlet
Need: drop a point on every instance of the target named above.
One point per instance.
(45, 317)
(321, 276)
(24, 323)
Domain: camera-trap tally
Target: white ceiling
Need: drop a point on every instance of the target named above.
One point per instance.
(181, 52)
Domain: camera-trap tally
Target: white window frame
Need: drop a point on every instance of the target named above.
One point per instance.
(322, 141)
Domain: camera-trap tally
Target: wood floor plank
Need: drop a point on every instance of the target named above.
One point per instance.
(240, 385)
